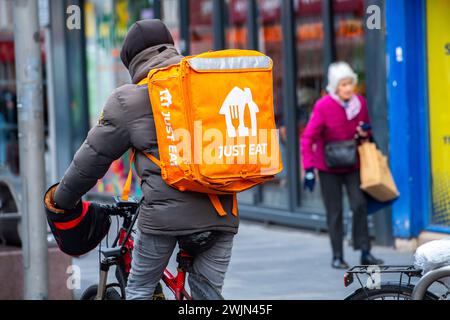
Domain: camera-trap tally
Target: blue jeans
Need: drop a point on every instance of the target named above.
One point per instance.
(151, 255)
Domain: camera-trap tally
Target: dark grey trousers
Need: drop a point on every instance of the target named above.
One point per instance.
(151, 255)
(332, 195)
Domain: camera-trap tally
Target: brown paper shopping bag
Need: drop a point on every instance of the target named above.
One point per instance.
(376, 178)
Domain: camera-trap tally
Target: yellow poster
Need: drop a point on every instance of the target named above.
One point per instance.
(438, 35)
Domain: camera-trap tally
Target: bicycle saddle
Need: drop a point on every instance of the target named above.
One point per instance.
(198, 242)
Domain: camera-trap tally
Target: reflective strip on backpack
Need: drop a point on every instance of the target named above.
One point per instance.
(230, 63)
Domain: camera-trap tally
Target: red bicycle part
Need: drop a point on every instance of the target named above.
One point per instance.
(129, 245)
(177, 283)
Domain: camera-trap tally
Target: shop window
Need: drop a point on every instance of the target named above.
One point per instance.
(236, 24)
(200, 26)
(349, 36)
(349, 20)
(9, 142)
(106, 25)
(274, 193)
(170, 16)
(9, 148)
(310, 79)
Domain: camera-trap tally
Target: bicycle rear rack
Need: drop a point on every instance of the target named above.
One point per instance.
(372, 270)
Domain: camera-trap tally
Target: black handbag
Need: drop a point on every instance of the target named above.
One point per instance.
(341, 154)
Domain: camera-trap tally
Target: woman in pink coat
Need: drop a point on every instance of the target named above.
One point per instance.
(329, 147)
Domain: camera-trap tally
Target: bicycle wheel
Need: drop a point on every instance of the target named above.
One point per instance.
(91, 292)
(388, 291)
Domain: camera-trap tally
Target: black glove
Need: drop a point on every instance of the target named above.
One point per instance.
(365, 128)
(79, 230)
(310, 179)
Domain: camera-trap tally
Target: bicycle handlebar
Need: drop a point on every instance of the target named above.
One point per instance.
(115, 211)
(123, 207)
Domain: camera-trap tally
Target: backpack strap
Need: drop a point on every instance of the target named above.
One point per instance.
(127, 186)
(218, 206)
(153, 159)
(234, 210)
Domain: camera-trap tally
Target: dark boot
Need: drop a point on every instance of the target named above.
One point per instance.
(368, 259)
(339, 263)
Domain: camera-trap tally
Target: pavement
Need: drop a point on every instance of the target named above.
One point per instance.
(274, 262)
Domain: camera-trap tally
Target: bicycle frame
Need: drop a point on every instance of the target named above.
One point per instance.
(119, 256)
(176, 284)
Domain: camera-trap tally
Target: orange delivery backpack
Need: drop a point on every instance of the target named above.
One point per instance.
(215, 123)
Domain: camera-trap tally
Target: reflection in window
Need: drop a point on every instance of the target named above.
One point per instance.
(106, 25)
(9, 147)
(310, 78)
(200, 26)
(349, 47)
(236, 28)
(274, 193)
(9, 142)
(349, 36)
(170, 16)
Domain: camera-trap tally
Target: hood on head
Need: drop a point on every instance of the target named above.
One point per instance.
(151, 58)
(142, 35)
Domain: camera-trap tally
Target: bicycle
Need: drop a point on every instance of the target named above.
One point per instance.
(120, 256)
(401, 290)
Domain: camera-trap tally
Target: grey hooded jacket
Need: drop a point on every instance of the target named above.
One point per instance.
(127, 122)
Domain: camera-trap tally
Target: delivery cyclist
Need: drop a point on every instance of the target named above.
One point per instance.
(336, 120)
(165, 213)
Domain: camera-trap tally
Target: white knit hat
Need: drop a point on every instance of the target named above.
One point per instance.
(338, 71)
